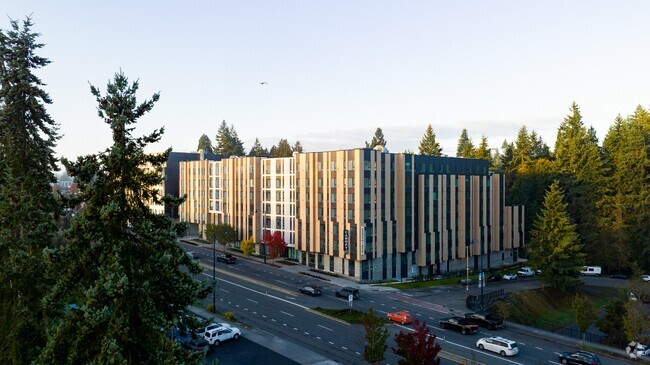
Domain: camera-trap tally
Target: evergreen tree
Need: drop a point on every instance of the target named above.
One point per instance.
(205, 144)
(465, 146)
(483, 150)
(282, 150)
(578, 159)
(522, 155)
(610, 323)
(27, 206)
(257, 150)
(554, 244)
(228, 143)
(377, 139)
(297, 147)
(576, 152)
(123, 278)
(539, 149)
(429, 146)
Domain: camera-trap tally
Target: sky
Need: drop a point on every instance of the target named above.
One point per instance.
(335, 71)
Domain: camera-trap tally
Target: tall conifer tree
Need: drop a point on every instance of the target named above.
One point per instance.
(27, 206)
(205, 144)
(428, 145)
(123, 274)
(465, 146)
(377, 139)
(554, 244)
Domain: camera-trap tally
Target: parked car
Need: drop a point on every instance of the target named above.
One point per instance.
(510, 276)
(227, 258)
(459, 324)
(619, 276)
(346, 292)
(312, 290)
(484, 320)
(494, 277)
(402, 317)
(525, 272)
(218, 335)
(200, 332)
(633, 297)
(196, 344)
(500, 345)
(579, 358)
(591, 270)
(193, 255)
(645, 278)
(538, 272)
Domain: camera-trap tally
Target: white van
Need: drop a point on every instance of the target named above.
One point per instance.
(591, 270)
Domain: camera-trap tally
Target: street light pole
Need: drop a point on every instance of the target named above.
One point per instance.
(214, 272)
(467, 268)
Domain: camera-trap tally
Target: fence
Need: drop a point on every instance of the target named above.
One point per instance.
(474, 301)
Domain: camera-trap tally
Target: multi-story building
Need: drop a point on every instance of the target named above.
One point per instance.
(367, 214)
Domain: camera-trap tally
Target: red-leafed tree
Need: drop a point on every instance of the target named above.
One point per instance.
(417, 348)
(275, 244)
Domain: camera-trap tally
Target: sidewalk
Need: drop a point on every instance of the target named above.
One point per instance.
(276, 344)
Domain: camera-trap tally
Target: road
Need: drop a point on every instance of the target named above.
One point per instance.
(266, 297)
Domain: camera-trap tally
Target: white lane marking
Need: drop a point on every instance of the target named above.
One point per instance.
(289, 314)
(256, 274)
(295, 329)
(307, 333)
(254, 312)
(418, 314)
(394, 307)
(357, 353)
(263, 316)
(246, 309)
(331, 343)
(539, 348)
(318, 338)
(237, 305)
(254, 301)
(284, 324)
(383, 304)
(344, 348)
(224, 290)
(382, 312)
(372, 301)
(431, 318)
(273, 319)
(259, 292)
(283, 282)
(437, 328)
(521, 343)
(329, 329)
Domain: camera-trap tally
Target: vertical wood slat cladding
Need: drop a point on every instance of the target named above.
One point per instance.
(425, 200)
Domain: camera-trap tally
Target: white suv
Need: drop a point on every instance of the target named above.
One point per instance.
(216, 336)
(500, 345)
(201, 331)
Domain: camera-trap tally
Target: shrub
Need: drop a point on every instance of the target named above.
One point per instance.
(230, 315)
(210, 308)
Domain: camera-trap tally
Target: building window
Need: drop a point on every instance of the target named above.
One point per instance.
(350, 213)
(333, 182)
(333, 165)
(350, 165)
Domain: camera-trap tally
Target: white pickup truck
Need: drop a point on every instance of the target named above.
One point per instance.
(525, 271)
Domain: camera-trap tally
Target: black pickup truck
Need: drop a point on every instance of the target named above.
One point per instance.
(459, 324)
(484, 320)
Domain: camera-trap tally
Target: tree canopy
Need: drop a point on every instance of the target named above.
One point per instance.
(554, 244)
(121, 268)
(205, 144)
(228, 142)
(377, 139)
(28, 208)
(428, 145)
(465, 146)
(257, 150)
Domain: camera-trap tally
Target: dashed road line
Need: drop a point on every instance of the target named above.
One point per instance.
(289, 314)
(331, 343)
(539, 348)
(344, 348)
(254, 301)
(329, 329)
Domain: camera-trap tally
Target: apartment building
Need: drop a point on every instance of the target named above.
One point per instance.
(366, 214)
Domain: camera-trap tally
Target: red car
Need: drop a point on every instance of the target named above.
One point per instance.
(402, 317)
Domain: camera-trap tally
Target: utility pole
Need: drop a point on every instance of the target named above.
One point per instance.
(214, 271)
